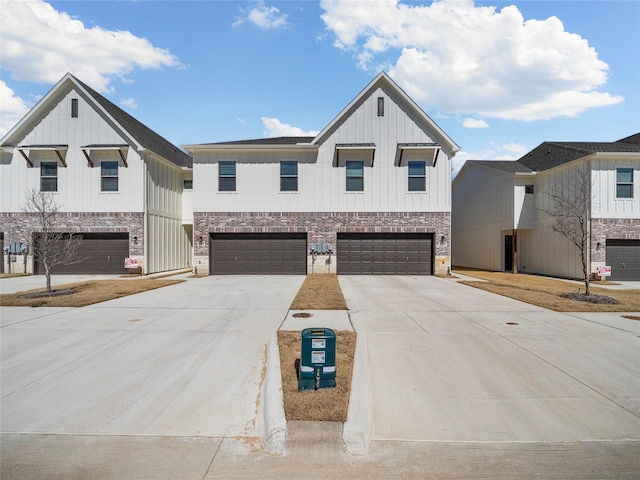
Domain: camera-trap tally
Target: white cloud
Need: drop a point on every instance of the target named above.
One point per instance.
(264, 17)
(509, 151)
(275, 128)
(41, 44)
(474, 123)
(129, 103)
(12, 108)
(461, 58)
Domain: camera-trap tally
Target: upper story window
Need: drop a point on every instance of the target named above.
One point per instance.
(624, 182)
(49, 176)
(109, 176)
(288, 176)
(355, 176)
(417, 176)
(528, 189)
(74, 108)
(227, 176)
(187, 184)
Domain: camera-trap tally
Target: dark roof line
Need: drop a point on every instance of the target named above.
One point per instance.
(147, 137)
(267, 141)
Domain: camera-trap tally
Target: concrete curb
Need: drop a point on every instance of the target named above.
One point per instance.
(274, 432)
(356, 431)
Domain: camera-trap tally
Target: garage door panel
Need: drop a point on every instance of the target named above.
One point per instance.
(102, 253)
(384, 254)
(258, 253)
(624, 258)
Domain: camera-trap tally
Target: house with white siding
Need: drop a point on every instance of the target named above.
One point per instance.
(499, 220)
(122, 187)
(370, 194)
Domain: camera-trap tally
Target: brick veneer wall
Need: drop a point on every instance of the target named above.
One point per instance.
(323, 227)
(76, 222)
(612, 228)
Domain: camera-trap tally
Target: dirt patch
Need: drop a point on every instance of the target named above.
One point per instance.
(631, 317)
(545, 292)
(325, 404)
(320, 292)
(84, 293)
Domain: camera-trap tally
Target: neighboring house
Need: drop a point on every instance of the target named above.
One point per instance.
(121, 186)
(498, 210)
(371, 193)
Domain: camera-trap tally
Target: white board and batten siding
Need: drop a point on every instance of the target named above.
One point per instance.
(79, 184)
(321, 183)
(482, 209)
(171, 245)
(604, 202)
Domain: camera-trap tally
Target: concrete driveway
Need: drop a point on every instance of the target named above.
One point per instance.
(184, 360)
(167, 385)
(447, 362)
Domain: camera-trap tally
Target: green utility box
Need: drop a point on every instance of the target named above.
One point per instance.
(317, 359)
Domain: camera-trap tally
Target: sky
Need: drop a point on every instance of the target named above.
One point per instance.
(498, 77)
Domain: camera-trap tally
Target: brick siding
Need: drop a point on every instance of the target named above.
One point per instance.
(324, 227)
(75, 222)
(611, 228)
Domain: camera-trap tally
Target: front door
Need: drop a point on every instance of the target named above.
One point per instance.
(508, 253)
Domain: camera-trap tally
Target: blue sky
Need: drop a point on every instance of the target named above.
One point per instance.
(498, 77)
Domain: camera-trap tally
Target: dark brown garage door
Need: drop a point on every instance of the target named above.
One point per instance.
(102, 252)
(385, 253)
(258, 254)
(624, 258)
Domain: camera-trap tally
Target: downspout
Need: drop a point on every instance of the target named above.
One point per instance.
(145, 215)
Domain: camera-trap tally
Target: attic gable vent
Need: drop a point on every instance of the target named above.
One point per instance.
(381, 106)
(74, 108)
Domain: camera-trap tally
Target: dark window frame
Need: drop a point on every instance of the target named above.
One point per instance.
(529, 189)
(288, 179)
(354, 183)
(74, 108)
(417, 182)
(226, 180)
(187, 184)
(48, 183)
(624, 188)
(107, 176)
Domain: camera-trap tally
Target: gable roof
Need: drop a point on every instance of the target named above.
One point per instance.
(143, 136)
(552, 154)
(382, 79)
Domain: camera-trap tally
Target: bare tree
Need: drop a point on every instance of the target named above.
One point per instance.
(50, 246)
(569, 207)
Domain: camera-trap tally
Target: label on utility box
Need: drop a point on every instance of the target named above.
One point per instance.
(319, 343)
(317, 357)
